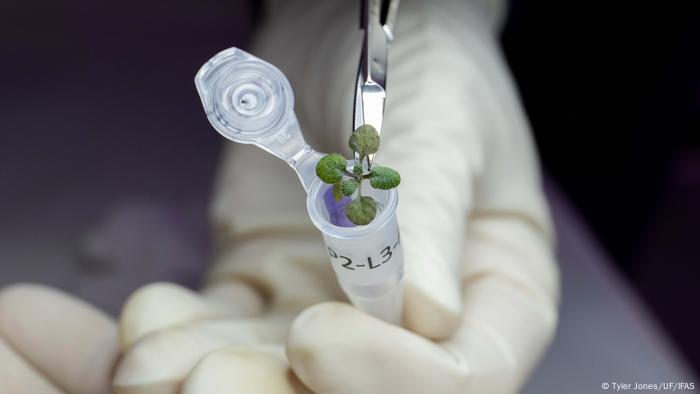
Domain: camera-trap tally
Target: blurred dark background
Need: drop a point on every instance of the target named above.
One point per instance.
(612, 90)
(97, 102)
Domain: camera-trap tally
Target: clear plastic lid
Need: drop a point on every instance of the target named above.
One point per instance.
(250, 101)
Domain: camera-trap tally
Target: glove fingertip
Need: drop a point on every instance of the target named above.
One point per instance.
(66, 340)
(160, 305)
(236, 369)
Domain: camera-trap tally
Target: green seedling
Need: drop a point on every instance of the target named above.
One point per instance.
(333, 169)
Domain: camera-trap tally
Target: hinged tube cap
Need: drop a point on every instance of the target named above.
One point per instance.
(250, 101)
(245, 98)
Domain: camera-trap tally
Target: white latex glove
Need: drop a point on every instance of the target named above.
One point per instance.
(481, 284)
(52, 343)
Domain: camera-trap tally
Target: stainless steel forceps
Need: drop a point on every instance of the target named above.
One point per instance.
(377, 19)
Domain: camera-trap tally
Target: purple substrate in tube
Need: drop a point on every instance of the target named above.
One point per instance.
(336, 209)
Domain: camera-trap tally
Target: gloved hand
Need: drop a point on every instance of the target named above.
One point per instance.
(52, 343)
(481, 286)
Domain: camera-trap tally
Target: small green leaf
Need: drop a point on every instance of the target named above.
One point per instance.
(384, 178)
(330, 168)
(348, 187)
(362, 210)
(357, 169)
(337, 191)
(364, 140)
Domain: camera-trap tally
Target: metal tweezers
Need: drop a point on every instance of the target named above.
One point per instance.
(377, 19)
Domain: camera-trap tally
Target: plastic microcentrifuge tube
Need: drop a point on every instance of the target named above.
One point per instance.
(250, 101)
